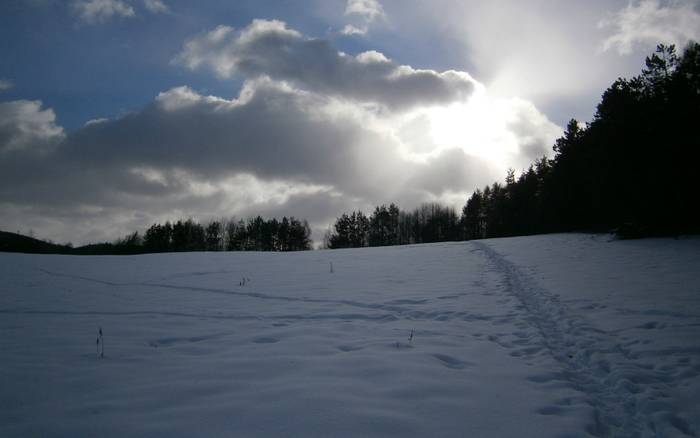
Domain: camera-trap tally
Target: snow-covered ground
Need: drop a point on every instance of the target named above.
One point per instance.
(546, 336)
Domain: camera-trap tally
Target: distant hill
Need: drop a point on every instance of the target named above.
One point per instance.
(13, 242)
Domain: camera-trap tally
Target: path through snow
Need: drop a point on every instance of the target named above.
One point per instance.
(630, 397)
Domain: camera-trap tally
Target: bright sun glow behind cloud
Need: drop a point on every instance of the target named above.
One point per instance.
(478, 127)
(483, 126)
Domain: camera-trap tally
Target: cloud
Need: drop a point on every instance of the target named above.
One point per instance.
(349, 29)
(5, 85)
(532, 50)
(647, 23)
(25, 127)
(546, 52)
(99, 11)
(212, 136)
(156, 6)
(271, 131)
(270, 48)
(364, 13)
(368, 10)
(284, 145)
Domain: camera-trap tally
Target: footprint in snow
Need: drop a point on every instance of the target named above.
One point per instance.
(265, 340)
(450, 362)
(550, 410)
(652, 325)
(407, 301)
(346, 348)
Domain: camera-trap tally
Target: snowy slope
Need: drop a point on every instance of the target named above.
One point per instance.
(560, 335)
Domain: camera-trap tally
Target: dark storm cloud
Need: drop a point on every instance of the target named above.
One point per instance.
(270, 48)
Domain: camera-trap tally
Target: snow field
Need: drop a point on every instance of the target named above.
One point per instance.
(561, 335)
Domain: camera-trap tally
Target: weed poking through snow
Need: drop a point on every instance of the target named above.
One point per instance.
(406, 345)
(100, 344)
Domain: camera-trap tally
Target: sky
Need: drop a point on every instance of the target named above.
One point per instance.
(117, 114)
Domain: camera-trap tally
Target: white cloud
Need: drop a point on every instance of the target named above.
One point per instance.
(270, 48)
(5, 85)
(368, 10)
(363, 13)
(372, 57)
(25, 127)
(647, 23)
(349, 29)
(156, 6)
(96, 121)
(98, 11)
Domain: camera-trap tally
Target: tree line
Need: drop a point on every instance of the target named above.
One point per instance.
(431, 222)
(255, 234)
(632, 169)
